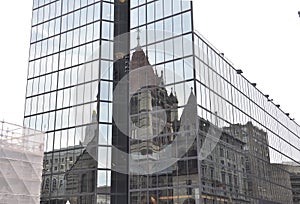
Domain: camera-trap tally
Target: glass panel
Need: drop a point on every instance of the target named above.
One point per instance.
(134, 20)
(104, 158)
(150, 12)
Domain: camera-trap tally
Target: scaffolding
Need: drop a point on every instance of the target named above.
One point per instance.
(21, 158)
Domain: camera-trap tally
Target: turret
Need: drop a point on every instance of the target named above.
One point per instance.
(174, 106)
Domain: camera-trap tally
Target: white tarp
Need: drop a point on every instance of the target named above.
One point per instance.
(21, 159)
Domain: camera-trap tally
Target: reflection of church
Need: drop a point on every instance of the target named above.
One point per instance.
(76, 170)
(82, 176)
(154, 121)
(153, 112)
(153, 129)
(154, 125)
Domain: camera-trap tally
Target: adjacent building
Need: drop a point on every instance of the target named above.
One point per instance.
(21, 158)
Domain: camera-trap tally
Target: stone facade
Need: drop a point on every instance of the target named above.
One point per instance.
(267, 182)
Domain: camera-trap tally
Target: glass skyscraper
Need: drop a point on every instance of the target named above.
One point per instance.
(138, 107)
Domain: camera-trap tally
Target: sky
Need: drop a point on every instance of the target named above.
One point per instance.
(261, 37)
(15, 21)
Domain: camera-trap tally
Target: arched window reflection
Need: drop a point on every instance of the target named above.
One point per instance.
(84, 183)
(47, 183)
(189, 201)
(54, 183)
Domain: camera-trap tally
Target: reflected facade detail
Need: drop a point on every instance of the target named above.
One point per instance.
(233, 146)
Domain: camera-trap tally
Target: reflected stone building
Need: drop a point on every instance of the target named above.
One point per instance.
(187, 127)
(77, 165)
(81, 177)
(257, 159)
(294, 171)
(223, 172)
(267, 182)
(60, 163)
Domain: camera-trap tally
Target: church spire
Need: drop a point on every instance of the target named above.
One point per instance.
(138, 39)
